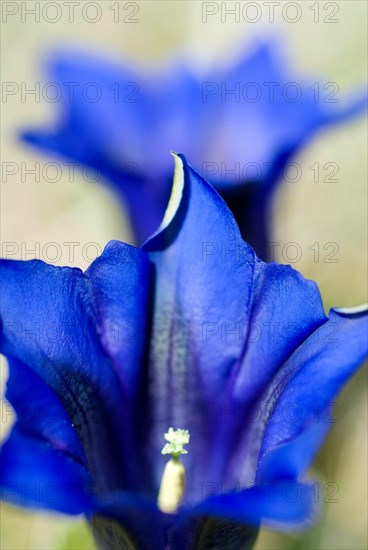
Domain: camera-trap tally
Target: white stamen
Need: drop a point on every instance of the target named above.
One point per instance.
(173, 479)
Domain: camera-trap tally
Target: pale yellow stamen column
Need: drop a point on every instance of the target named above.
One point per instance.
(173, 479)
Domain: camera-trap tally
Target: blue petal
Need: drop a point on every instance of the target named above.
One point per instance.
(40, 412)
(194, 258)
(119, 284)
(226, 521)
(52, 323)
(286, 309)
(247, 329)
(292, 458)
(304, 390)
(279, 324)
(34, 474)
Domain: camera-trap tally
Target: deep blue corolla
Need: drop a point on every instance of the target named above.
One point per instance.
(191, 331)
(240, 127)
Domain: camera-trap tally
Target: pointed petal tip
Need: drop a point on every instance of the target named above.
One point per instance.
(175, 198)
(28, 135)
(41, 138)
(351, 311)
(185, 176)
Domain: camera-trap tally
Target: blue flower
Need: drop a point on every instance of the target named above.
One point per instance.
(190, 331)
(240, 125)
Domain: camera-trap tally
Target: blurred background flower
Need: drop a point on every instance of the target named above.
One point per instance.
(240, 127)
(58, 213)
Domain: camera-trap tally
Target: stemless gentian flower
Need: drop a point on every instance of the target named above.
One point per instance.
(192, 332)
(248, 121)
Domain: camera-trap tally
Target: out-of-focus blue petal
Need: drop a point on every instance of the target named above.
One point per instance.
(276, 505)
(213, 532)
(129, 518)
(124, 517)
(34, 474)
(194, 257)
(89, 123)
(248, 121)
(353, 106)
(51, 322)
(304, 389)
(126, 134)
(130, 110)
(265, 113)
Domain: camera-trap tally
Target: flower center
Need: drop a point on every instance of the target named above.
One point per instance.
(173, 479)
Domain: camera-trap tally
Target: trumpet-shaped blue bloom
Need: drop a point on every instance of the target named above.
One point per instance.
(193, 331)
(239, 126)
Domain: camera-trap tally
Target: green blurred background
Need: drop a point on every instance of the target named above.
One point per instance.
(304, 212)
